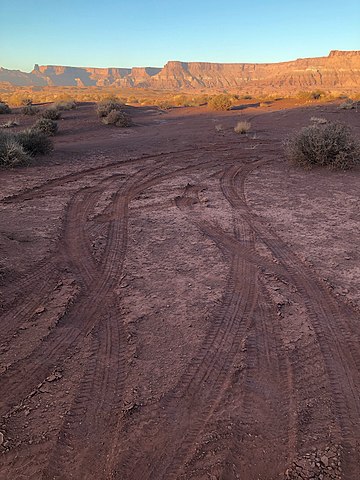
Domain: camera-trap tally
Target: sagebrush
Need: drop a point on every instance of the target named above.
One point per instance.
(105, 107)
(52, 113)
(65, 105)
(12, 153)
(118, 118)
(29, 110)
(46, 125)
(4, 108)
(34, 142)
(330, 144)
(220, 102)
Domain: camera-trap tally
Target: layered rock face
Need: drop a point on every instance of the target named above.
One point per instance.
(339, 70)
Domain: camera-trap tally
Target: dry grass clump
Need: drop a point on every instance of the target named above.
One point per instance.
(4, 108)
(10, 124)
(118, 118)
(46, 125)
(319, 120)
(329, 144)
(104, 107)
(220, 102)
(51, 113)
(242, 127)
(219, 128)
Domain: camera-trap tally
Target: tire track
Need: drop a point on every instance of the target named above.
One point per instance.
(185, 410)
(39, 190)
(330, 321)
(87, 424)
(267, 367)
(43, 282)
(54, 349)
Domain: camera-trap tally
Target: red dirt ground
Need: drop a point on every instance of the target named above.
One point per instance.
(178, 302)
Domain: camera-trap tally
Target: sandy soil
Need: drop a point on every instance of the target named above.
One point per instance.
(177, 302)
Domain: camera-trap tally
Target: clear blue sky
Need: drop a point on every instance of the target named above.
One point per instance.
(122, 33)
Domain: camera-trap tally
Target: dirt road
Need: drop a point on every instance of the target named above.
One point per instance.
(179, 303)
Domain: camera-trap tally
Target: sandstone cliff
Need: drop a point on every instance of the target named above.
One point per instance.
(339, 70)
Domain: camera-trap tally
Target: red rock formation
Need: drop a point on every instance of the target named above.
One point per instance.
(339, 70)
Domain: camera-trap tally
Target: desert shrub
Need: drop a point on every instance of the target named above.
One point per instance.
(164, 104)
(70, 105)
(34, 142)
(329, 144)
(348, 104)
(26, 102)
(181, 101)
(242, 127)
(4, 108)
(12, 153)
(199, 100)
(247, 97)
(104, 107)
(51, 113)
(46, 125)
(314, 95)
(317, 94)
(220, 102)
(29, 110)
(118, 118)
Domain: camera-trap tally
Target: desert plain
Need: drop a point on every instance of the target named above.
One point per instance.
(180, 302)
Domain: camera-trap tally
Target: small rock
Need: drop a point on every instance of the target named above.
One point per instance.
(54, 376)
(324, 460)
(1, 438)
(44, 389)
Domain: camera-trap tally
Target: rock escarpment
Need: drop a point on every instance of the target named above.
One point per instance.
(339, 70)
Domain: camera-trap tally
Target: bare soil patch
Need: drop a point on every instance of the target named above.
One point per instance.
(177, 302)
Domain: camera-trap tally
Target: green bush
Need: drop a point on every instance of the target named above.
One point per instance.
(4, 108)
(12, 153)
(46, 125)
(118, 118)
(329, 144)
(106, 106)
(51, 113)
(220, 102)
(35, 142)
